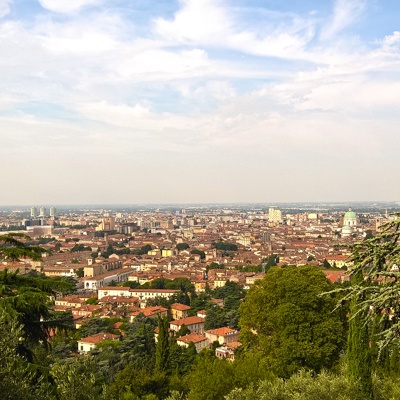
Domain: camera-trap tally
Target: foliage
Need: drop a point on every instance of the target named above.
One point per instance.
(301, 386)
(201, 253)
(358, 349)
(80, 247)
(93, 327)
(143, 250)
(162, 348)
(198, 302)
(211, 378)
(26, 300)
(375, 259)
(285, 318)
(214, 317)
(13, 248)
(182, 246)
(18, 378)
(71, 376)
(225, 246)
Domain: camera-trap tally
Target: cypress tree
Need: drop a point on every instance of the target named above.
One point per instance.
(359, 361)
(162, 349)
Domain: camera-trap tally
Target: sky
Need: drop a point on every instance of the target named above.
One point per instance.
(196, 101)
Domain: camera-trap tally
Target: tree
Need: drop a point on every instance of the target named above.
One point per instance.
(358, 350)
(303, 385)
(285, 318)
(378, 260)
(202, 254)
(18, 378)
(162, 348)
(13, 248)
(182, 246)
(210, 378)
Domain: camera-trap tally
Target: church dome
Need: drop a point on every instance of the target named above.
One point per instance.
(350, 214)
(350, 218)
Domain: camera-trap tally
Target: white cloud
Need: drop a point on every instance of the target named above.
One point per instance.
(200, 22)
(5, 7)
(68, 6)
(345, 13)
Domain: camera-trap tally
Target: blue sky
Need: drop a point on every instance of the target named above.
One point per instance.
(199, 101)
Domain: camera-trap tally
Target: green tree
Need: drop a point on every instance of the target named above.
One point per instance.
(215, 317)
(202, 254)
(71, 376)
(18, 379)
(13, 248)
(210, 378)
(358, 349)
(182, 246)
(285, 318)
(162, 348)
(301, 386)
(377, 260)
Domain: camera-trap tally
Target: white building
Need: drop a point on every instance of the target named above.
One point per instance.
(274, 215)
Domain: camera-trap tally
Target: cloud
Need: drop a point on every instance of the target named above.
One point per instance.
(5, 7)
(68, 6)
(214, 24)
(196, 21)
(345, 13)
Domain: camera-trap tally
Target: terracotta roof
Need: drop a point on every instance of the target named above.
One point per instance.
(100, 337)
(191, 338)
(180, 307)
(222, 331)
(188, 321)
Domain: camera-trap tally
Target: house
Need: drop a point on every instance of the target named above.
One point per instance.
(223, 335)
(179, 311)
(250, 280)
(86, 310)
(227, 351)
(89, 343)
(200, 341)
(194, 324)
(150, 312)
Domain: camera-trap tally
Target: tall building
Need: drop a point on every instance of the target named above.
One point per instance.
(274, 215)
(42, 212)
(33, 212)
(107, 224)
(52, 211)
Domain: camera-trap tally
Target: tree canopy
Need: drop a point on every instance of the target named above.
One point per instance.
(378, 260)
(285, 318)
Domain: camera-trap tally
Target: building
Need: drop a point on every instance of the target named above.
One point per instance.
(194, 324)
(179, 311)
(222, 335)
(350, 218)
(275, 215)
(112, 277)
(52, 212)
(33, 212)
(107, 224)
(89, 343)
(42, 212)
(199, 341)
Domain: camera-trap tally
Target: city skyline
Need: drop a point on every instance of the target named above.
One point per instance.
(173, 102)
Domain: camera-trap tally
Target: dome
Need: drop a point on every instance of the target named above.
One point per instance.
(350, 214)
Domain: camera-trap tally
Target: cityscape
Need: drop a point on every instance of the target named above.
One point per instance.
(199, 200)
